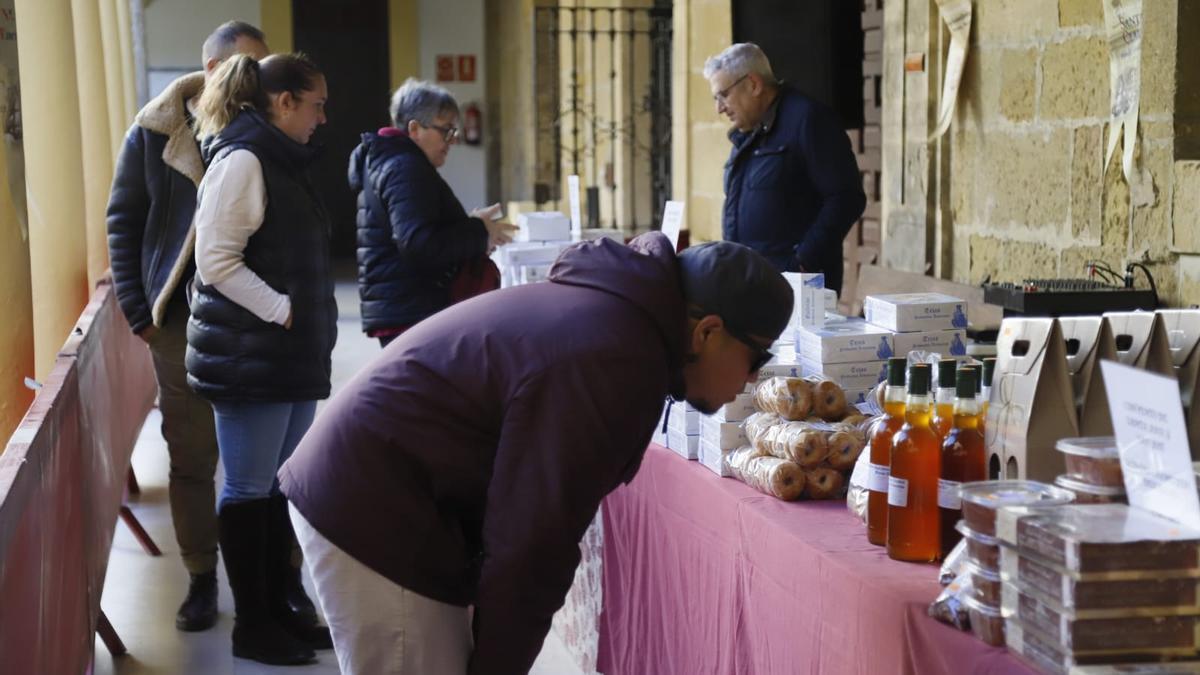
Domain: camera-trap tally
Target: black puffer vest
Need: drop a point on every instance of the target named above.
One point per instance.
(231, 353)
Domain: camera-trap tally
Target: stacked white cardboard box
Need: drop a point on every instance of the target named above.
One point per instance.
(541, 237)
(853, 352)
(683, 430)
(722, 432)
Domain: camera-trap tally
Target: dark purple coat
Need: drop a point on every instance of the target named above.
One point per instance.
(466, 462)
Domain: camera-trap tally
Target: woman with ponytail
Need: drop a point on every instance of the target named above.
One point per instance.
(262, 327)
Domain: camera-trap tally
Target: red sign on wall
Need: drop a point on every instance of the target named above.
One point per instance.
(445, 68)
(466, 67)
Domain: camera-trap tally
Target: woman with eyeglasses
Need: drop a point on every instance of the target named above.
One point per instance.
(419, 251)
(262, 327)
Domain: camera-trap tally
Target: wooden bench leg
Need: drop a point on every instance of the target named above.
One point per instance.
(131, 484)
(109, 636)
(139, 532)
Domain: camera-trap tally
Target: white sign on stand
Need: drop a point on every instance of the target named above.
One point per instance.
(576, 213)
(1147, 416)
(672, 222)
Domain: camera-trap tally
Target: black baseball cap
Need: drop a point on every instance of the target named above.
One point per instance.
(737, 284)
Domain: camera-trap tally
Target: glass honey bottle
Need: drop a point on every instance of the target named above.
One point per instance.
(913, 530)
(943, 413)
(964, 456)
(881, 450)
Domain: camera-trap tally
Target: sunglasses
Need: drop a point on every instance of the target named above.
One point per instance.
(762, 355)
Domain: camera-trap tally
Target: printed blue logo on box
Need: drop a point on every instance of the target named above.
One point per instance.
(959, 320)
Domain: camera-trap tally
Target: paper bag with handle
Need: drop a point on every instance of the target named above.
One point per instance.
(1141, 341)
(1088, 340)
(1032, 405)
(1183, 338)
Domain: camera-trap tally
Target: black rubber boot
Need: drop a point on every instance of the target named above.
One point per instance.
(199, 609)
(257, 635)
(285, 590)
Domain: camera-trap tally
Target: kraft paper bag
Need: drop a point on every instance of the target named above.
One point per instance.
(1141, 341)
(1183, 339)
(1088, 340)
(1032, 404)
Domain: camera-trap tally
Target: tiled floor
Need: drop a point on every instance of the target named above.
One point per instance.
(142, 593)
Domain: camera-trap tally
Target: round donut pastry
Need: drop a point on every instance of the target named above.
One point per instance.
(807, 448)
(855, 419)
(844, 448)
(822, 483)
(768, 441)
(828, 400)
(757, 424)
(776, 477)
(879, 393)
(799, 402)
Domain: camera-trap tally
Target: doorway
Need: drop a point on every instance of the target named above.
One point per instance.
(348, 39)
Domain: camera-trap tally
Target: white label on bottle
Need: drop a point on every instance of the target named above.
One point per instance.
(948, 496)
(878, 479)
(897, 492)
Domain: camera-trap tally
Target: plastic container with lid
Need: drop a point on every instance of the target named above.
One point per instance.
(1048, 656)
(1104, 594)
(985, 584)
(1087, 538)
(987, 623)
(982, 550)
(1093, 460)
(1087, 493)
(981, 500)
(1082, 634)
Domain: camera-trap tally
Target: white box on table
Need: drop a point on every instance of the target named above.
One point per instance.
(944, 342)
(724, 435)
(714, 458)
(911, 312)
(682, 444)
(808, 298)
(684, 418)
(543, 226)
(847, 375)
(856, 396)
(736, 410)
(830, 300)
(660, 434)
(849, 341)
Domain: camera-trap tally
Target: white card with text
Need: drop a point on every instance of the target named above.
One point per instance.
(576, 212)
(1147, 416)
(672, 222)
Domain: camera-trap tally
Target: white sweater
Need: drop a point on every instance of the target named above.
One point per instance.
(232, 204)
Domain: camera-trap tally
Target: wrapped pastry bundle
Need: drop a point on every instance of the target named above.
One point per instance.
(799, 442)
(824, 483)
(789, 397)
(756, 425)
(828, 400)
(844, 448)
(769, 475)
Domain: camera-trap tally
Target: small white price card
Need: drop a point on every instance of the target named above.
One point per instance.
(576, 214)
(672, 221)
(1147, 416)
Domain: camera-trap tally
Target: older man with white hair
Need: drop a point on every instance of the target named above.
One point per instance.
(792, 187)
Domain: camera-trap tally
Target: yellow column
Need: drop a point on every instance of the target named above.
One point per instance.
(125, 35)
(16, 330)
(404, 40)
(96, 132)
(118, 119)
(53, 173)
(277, 24)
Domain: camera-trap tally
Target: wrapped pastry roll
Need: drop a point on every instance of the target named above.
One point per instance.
(789, 397)
(823, 483)
(757, 424)
(828, 400)
(800, 443)
(844, 449)
(769, 475)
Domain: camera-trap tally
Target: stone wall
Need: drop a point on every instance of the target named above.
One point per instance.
(1022, 191)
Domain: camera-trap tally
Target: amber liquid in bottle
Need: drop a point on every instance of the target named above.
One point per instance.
(964, 460)
(881, 459)
(881, 451)
(914, 531)
(943, 413)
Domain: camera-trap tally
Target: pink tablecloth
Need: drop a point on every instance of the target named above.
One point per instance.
(704, 575)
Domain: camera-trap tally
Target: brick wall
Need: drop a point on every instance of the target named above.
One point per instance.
(1024, 192)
